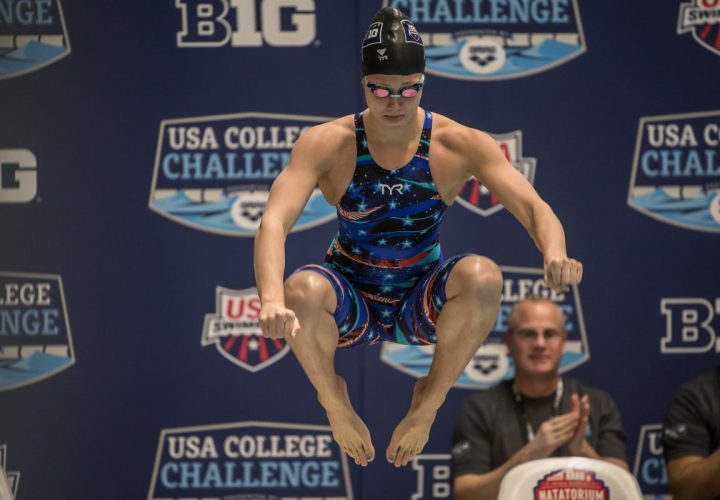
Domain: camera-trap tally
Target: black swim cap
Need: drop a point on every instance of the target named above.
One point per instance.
(392, 45)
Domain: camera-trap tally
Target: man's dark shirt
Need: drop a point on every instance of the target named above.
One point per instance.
(692, 422)
(490, 428)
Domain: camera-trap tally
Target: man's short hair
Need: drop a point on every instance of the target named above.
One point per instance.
(534, 299)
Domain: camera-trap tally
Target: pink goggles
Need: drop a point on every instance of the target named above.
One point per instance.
(408, 91)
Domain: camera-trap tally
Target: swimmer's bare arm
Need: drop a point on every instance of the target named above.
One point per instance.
(288, 196)
(488, 164)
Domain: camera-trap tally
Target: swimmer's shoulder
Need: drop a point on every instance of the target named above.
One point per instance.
(329, 141)
(450, 134)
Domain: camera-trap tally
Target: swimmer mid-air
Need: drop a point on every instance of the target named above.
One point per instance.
(392, 171)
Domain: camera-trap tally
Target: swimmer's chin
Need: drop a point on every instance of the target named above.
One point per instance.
(394, 118)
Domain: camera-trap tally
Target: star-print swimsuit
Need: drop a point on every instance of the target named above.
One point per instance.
(385, 263)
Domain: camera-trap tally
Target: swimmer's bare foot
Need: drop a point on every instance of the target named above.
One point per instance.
(349, 431)
(413, 431)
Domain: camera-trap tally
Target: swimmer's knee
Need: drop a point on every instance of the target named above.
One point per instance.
(479, 276)
(308, 289)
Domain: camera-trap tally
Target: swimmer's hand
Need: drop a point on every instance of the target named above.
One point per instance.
(277, 321)
(562, 273)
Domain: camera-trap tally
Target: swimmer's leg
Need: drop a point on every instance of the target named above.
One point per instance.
(311, 296)
(472, 292)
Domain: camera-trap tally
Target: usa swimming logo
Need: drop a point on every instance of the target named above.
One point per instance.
(250, 460)
(676, 170)
(214, 173)
(491, 363)
(650, 469)
(497, 40)
(476, 197)
(234, 330)
(246, 23)
(10, 483)
(35, 340)
(702, 19)
(32, 35)
(18, 176)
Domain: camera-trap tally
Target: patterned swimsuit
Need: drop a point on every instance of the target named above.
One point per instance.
(385, 263)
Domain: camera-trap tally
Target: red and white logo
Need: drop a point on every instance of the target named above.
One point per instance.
(702, 19)
(571, 483)
(235, 331)
(476, 197)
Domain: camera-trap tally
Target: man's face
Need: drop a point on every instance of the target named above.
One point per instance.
(538, 340)
(393, 111)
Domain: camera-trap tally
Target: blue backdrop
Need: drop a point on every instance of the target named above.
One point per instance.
(137, 144)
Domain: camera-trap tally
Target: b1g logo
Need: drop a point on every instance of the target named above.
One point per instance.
(13, 477)
(250, 460)
(497, 40)
(32, 35)
(491, 363)
(649, 468)
(690, 325)
(676, 170)
(246, 23)
(433, 476)
(18, 175)
(235, 331)
(35, 341)
(476, 197)
(571, 483)
(702, 18)
(214, 173)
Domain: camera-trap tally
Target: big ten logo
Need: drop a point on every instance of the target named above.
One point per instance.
(18, 176)
(690, 325)
(433, 477)
(234, 330)
(246, 23)
(649, 468)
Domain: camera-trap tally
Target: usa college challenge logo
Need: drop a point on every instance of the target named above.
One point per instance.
(234, 330)
(676, 171)
(32, 35)
(476, 197)
(502, 39)
(491, 363)
(650, 469)
(250, 460)
(214, 173)
(35, 341)
(702, 19)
